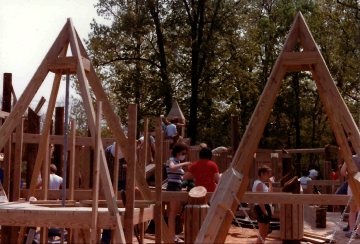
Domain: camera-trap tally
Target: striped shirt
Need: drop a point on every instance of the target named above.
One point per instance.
(174, 176)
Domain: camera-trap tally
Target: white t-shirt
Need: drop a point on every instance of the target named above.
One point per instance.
(303, 181)
(313, 173)
(171, 130)
(265, 188)
(55, 182)
(141, 139)
(113, 151)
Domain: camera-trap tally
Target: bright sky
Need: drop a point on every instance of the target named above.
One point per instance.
(28, 28)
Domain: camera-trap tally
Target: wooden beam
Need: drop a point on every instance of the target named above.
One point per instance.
(104, 171)
(18, 161)
(32, 88)
(40, 104)
(130, 173)
(158, 179)
(59, 63)
(323, 183)
(298, 68)
(118, 132)
(116, 168)
(72, 160)
(96, 173)
(59, 131)
(45, 170)
(3, 114)
(303, 151)
(300, 58)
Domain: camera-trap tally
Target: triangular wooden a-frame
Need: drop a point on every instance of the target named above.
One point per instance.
(80, 65)
(175, 112)
(235, 180)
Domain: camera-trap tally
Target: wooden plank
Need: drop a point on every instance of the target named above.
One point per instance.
(158, 180)
(62, 63)
(32, 87)
(295, 221)
(77, 166)
(298, 68)
(45, 170)
(58, 148)
(323, 183)
(18, 161)
(72, 160)
(288, 225)
(300, 58)
(85, 167)
(302, 151)
(282, 221)
(96, 177)
(196, 222)
(7, 88)
(188, 227)
(143, 166)
(130, 173)
(40, 105)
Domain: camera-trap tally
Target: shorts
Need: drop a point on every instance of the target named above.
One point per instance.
(173, 186)
(260, 216)
(343, 189)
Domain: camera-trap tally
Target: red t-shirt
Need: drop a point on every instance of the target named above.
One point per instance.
(203, 171)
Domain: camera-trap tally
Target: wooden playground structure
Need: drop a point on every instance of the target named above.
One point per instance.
(91, 206)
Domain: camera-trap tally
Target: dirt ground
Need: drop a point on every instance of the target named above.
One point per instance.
(235, 234)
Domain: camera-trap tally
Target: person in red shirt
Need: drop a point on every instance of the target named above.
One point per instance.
(205, 172)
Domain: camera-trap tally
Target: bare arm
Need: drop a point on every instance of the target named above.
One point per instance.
(188, 175)
(343, 170)
(271, 185)
(39, 185)
(174, 167)
(217, 177)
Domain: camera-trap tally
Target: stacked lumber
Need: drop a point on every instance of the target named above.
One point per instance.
(315, 238)
(315, 215)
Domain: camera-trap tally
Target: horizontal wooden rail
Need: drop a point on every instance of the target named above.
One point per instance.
(323, 183)
(3, 114)
(300, 58)
(249, 197)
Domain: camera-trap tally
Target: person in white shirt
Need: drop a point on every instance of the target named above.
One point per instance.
(263, 211)
(55, 180)
(314, 173)
(304, 179)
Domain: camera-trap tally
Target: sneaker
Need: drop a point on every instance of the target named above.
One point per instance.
(348, 234)
(178, 240)
(346, 228)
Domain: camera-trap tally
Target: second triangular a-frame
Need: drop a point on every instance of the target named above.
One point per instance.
(234, 181)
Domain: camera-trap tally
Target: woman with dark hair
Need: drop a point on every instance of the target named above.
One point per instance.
(175, 176)
(204, 171)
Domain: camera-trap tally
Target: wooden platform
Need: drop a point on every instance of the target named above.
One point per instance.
(26, 214)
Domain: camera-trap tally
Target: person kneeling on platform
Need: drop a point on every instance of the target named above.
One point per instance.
(263, 211)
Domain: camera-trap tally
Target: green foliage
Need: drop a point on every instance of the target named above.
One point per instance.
(220, 53)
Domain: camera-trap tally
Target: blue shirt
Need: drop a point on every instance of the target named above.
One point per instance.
(174, 176)
(171, 130)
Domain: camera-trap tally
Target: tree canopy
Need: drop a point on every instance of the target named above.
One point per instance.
(214, 58)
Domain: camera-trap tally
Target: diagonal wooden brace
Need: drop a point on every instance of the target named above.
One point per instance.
(231, 181)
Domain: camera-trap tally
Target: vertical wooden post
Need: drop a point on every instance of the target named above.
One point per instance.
(116, 170)
(143, 167)
(45, 185)
(7, 87)
(234, 133)
(327, 168)
(17, 172)
(130, 174)
(34, 128)
(45, 170)
(94, 236)
(77, 167)
(59, 130)
(72, 160)
(158, 180)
